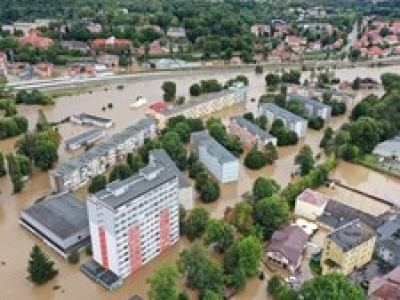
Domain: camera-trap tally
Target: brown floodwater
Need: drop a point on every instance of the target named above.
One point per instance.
(16, 242)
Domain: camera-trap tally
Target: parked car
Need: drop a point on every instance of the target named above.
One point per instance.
(139, 102)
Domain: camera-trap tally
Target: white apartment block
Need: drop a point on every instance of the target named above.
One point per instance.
(204, 105)
(134, 220)
(219, 161)
(79, 170)
(291, 121)
(314, 108)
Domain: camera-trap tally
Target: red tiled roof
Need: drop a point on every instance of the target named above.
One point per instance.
(313, 197)
(158, 106)
(386, 287)
(35, 40)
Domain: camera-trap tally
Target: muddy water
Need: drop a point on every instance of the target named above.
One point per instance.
(16, 243)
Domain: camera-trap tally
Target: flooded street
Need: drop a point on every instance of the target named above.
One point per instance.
(16, 243)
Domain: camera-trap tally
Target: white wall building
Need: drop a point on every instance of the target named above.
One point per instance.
(219, 161)
(314, 108)
(79, 170)
(310, 204)
(134, 220)
(290, 120)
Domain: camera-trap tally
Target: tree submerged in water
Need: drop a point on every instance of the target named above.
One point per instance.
(41, 269)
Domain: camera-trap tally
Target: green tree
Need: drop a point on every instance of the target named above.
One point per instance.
(98, 183)
(244, 255)
(272, 80)
(120, 172)
(259, 69)
(316, 123)
(242, 216)
(183, 130)
(200, 271)
(210, 295)
(220, 233)
(365, 133)
(3, 170)
(195, 90)
(40, 268)
(73, 257)
(305, 160)
(271, 213)
(264, 187)
(297, 107)
(169, 89)
(331, 286)
(209, 191)
(255, 159)
(163, 283)
(196, 222)
(271, 153)
(328, 135)
(135, 162)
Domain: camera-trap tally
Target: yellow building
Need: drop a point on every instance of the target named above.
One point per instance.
(347, 248)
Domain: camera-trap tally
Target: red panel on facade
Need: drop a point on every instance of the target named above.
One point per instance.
(164, 229)
(103, 247)
(135, 251)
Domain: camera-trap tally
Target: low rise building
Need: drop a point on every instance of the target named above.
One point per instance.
(79, 170)
(84, 139)
(203, 105)
(260, 30)
(386, 287)
(388, 242)
(310, 204)
(348, 248)
(218, 161)
(33, 38)
(134, 220)
(87, 119)
(176, 32)
(314, 108)
(389, 149)
(286, 247)
(74, 45)
(291, 121)
(250, 134)
(60, 221)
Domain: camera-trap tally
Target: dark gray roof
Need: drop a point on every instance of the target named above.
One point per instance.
(306, 100)
(351, 235)
(85, 116)
(389, 233)
(204, 99)
(63, 214)
(252, 128)
(161, 157)
(337, 214)
(135, 297)
(118, 193)
(279, 112)
(83, 137)
(203, 139)
(103, 148)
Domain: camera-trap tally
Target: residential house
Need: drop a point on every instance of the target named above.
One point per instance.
(33, 38)
(259, 30)
(26, 27)
(386, 287)
(80, 169)
(44, 70)
(314, 108)
(94, 28)
(60, 221)
(286, 247)
(176, 32)
(295, 42)
(218, 161)
(203, 105)
(92, 120)
(75, 46)
(388, 150)
(348, 248)
(109, 60)
(110, 44)
(250, 134)
(310, 204)
(388, 242)
(290, 120)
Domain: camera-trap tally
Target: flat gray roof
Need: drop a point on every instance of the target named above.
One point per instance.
(101, 149)
(203, 139)
(252, 128)
(133, 187)
(83, 137)
(63, 214)
(83, 116)
(307, 100)
(279, 112)
(203, 99)
(351, 235)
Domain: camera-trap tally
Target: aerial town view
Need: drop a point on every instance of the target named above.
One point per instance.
(200, 150)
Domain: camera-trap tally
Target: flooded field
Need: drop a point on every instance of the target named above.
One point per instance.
(16, 243)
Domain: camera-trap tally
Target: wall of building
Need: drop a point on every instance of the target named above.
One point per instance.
(308, 210)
